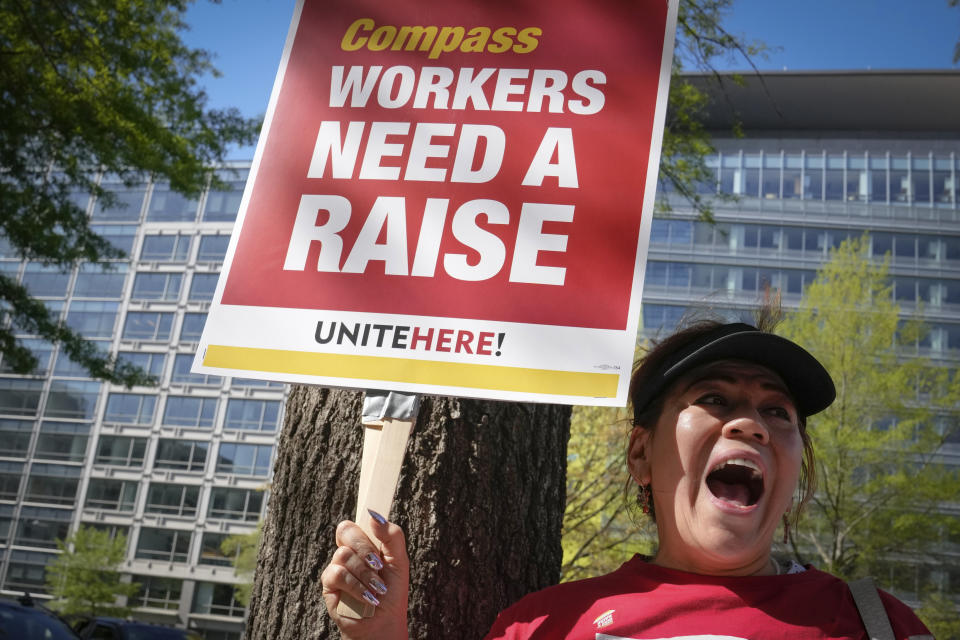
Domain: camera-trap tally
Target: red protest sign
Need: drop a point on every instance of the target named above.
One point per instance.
(471, 175)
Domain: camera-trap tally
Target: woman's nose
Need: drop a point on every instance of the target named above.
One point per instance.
(747, 427)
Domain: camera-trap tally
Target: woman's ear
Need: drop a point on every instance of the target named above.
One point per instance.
(638, 455)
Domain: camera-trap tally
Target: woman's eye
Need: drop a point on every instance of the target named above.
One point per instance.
(712, 398)
(780, 412)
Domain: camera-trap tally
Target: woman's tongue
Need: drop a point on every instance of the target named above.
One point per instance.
(733, 492)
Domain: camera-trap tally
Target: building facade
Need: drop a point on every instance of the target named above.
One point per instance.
(176, 468)
(825, 157)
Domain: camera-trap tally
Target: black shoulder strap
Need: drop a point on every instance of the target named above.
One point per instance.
(872, 612)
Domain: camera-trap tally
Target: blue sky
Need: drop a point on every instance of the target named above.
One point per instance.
(247, 37)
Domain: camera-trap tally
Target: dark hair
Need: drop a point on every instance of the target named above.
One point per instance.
(768, 315)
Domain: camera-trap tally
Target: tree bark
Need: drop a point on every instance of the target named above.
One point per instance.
(481, 499)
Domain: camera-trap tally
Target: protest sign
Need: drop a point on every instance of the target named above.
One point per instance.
(450, 198)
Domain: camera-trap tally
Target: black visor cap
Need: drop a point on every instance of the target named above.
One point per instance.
(806, 379)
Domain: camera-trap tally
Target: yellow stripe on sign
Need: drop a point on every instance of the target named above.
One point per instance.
(447, 374)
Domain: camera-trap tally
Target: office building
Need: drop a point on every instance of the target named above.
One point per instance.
(176, 468)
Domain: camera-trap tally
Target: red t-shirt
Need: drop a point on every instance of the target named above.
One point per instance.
(642, 601)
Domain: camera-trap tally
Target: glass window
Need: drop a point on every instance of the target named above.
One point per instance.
(942, 187)
(15, 437)
(165, 248)
(732, 180)
(41, 350)
(148, 325)
(213, 248)
(905, 246)
(216, 599)
(121, 236)
(157, 286)
(54, 484)
(67, 368)
(837, 237)
(223, 205)
(771, 178)
(192, 327)
(182, 455)
(660, 232)
(181, 372)
(244, 459)
(6, 523)
(104, 280)
(157, 593)
(10, 475)
(41, 526)
(813, 179)
(792, 181)
(210, 552)
(126, 207)
(45, 281)
(151, 362)
(72, 399)
(793, 238)
(202, 287)
(858, 185)
(252, 415)
(678, 275)
(833, 179)
(905, 289)
(951, 291)
(921, 184)
(878, 184)
(111, 495)
(661, 317)
(187, 411)
(235, 504)
(656, 275)
(769, 237)
(929, 248)
(900, 191)
(93, 319)
(62, 441)
(250, 382)
(121, 451)
(170, 206)
(882, 243)
(27, 571)
(164, 545)
(130, 408)
(173, 499)
(20, 397)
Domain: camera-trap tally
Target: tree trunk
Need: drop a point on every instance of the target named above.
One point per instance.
(481, 500)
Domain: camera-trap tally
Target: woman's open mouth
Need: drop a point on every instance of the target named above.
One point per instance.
(738, 482)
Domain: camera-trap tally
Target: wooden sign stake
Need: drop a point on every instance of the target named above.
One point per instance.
(387, 421)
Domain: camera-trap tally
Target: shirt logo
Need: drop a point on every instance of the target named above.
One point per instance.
(604, 619)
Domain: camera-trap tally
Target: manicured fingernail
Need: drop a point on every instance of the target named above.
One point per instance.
(378, 586)
(376, 516)
(374, 561)
(369, 597)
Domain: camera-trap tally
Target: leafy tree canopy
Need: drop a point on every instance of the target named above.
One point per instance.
(701, 42)
(89, 86)
(598, 531)
(84, 578)
(880, 482)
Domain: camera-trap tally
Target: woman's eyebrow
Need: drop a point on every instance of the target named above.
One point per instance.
(721, 376)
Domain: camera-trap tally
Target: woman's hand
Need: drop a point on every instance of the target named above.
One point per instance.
(375, 571)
